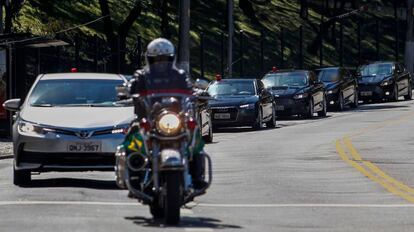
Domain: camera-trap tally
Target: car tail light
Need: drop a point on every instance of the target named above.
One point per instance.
(191, 123)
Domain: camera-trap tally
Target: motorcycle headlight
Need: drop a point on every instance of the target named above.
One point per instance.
(169, 124)
(300, 96)
(247, 106)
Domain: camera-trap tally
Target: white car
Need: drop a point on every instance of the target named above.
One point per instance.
(68, 122)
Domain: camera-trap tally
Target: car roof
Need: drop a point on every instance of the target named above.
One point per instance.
(238, 79)
(287, 71)
(329, 68)
(81, 76)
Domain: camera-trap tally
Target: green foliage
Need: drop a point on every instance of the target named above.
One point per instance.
(44, 17)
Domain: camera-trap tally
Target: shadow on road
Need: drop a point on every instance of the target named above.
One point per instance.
(298, 118)
(73, 183)
(187, 222)
(382, 106)
(240, 129)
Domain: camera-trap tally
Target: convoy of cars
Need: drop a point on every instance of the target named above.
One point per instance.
(73, 122)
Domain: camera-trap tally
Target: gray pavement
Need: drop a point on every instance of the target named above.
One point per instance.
(291, 178)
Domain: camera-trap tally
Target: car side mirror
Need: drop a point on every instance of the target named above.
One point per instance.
(201, 84)
(12, 105)
(122, 92)
(203, 96)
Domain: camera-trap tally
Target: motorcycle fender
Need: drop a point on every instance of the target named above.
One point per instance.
(120, 167)
(171, 159)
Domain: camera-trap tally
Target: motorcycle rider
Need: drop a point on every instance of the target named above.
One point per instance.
(160, 75)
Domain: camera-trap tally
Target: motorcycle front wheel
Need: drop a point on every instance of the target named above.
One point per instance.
(173, 197)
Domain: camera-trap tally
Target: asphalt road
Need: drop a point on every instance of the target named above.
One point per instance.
(351, 171)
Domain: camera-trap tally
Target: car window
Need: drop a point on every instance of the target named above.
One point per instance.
(290, 79)
(222, 88)
(377, 69)
(74, 92)
(328, 75)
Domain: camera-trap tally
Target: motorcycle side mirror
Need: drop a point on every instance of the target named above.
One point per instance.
(122, 92)
(201, 84)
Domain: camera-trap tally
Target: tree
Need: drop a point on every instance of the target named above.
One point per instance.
(162, 7)
(247, 7)
(116, 38)
(11, 9)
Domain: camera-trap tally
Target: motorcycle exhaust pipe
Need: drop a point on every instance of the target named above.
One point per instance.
(137, 162)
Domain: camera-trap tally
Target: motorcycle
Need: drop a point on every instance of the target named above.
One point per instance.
(154, 161)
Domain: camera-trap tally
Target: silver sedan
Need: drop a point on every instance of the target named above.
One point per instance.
(68, 122)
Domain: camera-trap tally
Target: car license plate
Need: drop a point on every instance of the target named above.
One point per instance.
(90, 146)
(222, 116)
(366, 93)
(280, 108)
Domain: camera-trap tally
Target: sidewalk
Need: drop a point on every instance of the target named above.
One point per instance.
(6, 149)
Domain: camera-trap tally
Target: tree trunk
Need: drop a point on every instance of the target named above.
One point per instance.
(409, 43)
(165, 25)
(117, 42)
(8, 19)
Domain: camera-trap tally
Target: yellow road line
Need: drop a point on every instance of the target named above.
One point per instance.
(390, 179)
(383, 182)
(351, 148)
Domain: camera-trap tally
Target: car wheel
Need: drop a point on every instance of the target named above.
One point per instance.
(209, 138)
(272, 122)
(324, 106)
(409, 96)
(311, 109)
(341, 102)
(395, 96)
(21, 177)
(259, 121)
(355, 103)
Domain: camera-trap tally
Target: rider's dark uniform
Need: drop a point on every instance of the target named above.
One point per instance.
(149, 81)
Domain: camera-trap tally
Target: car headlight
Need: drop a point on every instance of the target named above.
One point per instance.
(247, 106)
(120, 129)
(27, 127)
(169, 124)
(300, 96)
(332, 91)
(386, 82)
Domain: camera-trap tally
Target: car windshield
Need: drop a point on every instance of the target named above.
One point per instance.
(328, 75)
(232, 88)
(376, 69)
(71, 92)
(293, 79)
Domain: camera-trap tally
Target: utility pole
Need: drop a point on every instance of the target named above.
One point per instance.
(409, 42)
(230, 21)
(184, 41)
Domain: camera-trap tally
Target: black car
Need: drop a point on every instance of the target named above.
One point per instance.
(384, 81)
(341, 87)
(241, 102)
(297, 92)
